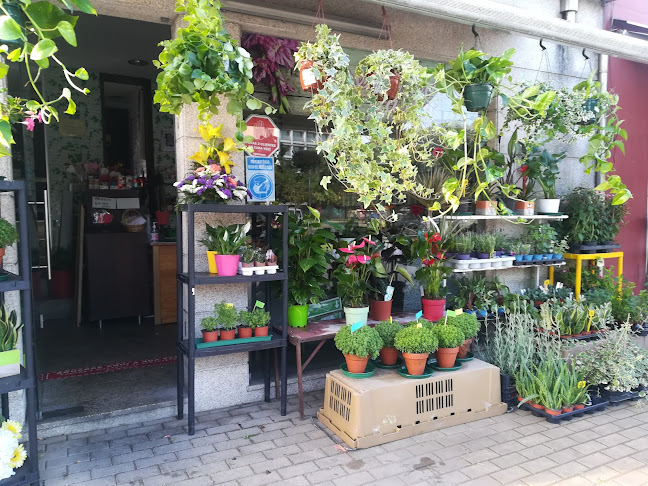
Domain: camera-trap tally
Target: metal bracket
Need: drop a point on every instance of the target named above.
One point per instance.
(585, 55)
(542, 45)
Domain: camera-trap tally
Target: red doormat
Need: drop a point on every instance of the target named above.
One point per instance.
(108, 368)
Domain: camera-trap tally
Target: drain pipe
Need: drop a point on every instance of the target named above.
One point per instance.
(603, 68)
(568, 9)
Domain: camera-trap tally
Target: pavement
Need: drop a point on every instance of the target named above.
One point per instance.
(254, 445)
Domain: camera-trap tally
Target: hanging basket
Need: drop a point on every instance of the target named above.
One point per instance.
(307, 78)
(477, 97)
(129, 221)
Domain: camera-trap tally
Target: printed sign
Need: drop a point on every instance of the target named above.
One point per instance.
(104, 202)
(259, 173)
(259, 304)
(265, 134)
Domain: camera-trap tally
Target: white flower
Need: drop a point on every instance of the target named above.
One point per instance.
(6, 471)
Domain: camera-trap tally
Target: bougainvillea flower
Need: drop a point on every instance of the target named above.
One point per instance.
(369, 241)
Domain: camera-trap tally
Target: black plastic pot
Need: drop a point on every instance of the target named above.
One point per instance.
(508, 390)
(477, 97)
(466, 206)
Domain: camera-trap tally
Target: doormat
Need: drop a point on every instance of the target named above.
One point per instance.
(108, 368)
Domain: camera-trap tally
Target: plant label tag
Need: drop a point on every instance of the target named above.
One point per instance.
(419, 325)
(522, 291)
(458, 312)
(422, 292)
(229, 305)
(547, 283)
(419, 314)
(259, 304)
(591, 313)
(356, 326)
(390, 319)
(308, 76)
(450, 313)
(559, 285)
(389, 293)
(600, 263)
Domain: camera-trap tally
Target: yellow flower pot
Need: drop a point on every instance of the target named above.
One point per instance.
(212, 261)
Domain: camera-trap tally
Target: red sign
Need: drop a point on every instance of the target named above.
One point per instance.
(265, 133)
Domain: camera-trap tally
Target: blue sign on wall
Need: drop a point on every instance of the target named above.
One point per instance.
(259, 173)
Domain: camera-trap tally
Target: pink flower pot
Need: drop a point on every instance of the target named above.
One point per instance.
(433, 309)
(227, 265)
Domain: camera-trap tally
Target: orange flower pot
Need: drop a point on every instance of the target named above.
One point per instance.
(244, 332)
(380, 310)
(261, 331)
(388, 356)
(226, 335)
(210, 336)
(464, 348)
(356, 364)
(307, 78)
(446, 357)
(415, 362)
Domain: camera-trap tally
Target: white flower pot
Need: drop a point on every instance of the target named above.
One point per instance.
(547, 206)
(356, 314)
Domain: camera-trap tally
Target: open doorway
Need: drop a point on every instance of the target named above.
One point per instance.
(99, 181)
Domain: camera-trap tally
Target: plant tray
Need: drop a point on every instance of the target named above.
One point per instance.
(456, 366)
(200, 344)
(616, 398)
(427, 372)
(589, 249)
(4, 275)
(369, 371)
(551, 214)
(589, 337)
(565, 417)
(469, 356)
(378, 364)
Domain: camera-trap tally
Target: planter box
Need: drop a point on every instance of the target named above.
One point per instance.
(200, 344)
(589, 249)
(563, 417)
(388, 407)
(10, 363)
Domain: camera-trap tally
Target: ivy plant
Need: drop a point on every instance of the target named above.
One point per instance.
(30, 32)
(204, 62)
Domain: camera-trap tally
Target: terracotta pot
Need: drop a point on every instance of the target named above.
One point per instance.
(394, 84)
(586, 333)
(2, 254)
(388, 356)
(552, 412)
(380, 310)
(579, 406)
(433, 309)
(446, 357)
(524, 208)
(307, 78)
(356, 364)
(568, 409)
(415, 362)
(259, 264)
(244, 332)
(486, 208)
(226, 335)
(464, 348)
(247, 265)
(210, 336)
(535, 405)
(519, 398)
(260, 331)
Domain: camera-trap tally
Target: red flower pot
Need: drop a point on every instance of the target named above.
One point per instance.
(446, 357)
(261, 331)
(389, 356)
(464, 348)
(244, 332)
(226, 335)
(210, 336)
(380, 310)
(535, 405)
(415, 362)
(552, 412)
(433, 309)
(568, 409)
(579, 406)
(356, 364)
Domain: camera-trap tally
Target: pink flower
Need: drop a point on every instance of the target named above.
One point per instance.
(369, 241)
(363, 258)
(30, 124)
(352, 259)
(32, 118)
(346, 250)
(199, 170)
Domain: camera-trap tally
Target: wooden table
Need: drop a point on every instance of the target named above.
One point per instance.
(322, 331)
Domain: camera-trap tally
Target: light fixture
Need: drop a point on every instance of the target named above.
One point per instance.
(138, 62)
(304, 17)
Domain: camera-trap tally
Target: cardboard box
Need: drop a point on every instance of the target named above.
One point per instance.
(388, 407)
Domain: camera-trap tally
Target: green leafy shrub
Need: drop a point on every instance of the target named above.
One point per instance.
(256, 318)
(466, 323)
(362, 342)
(209, 324)
(8, 233)
(448, 336)
(414, 340)
(387, 330)
(227, 315)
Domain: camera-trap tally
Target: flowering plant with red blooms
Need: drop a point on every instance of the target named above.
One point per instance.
(430, 248)
(358, 262)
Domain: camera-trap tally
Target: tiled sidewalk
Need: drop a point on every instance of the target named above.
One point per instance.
(254, 445)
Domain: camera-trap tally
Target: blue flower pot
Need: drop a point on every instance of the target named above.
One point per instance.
(527, 258)
(536, 258)
(557, 256)
(501, 311)
(482, 313)
(547, 256)
(519, 258)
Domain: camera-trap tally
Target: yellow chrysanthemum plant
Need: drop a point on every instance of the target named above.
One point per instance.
(12, 454)
(217, 148)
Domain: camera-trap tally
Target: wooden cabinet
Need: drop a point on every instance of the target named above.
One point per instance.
(164, 282)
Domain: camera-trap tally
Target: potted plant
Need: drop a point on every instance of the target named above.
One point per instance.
(558, 248)
(469, 326)
(387, 331)
(209, 327)
(358, 263)
(383, 70)
(247, 260)
(542, 166)
(464, 245)
(8, 236)
(227, 318)
(450, 338)
(308, 263)
(429, 247)
(259, 261)
(320, 60)
(358, 346)
(584, 207)
(416, 342)
(257, 320)
(516, 250)
(485, 246)
(245, 328)
(380, 305)
(224, 242)
(9, 333)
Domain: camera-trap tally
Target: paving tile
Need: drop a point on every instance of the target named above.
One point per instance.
(538, 465)
(543, 478)
(634, 478)
(626, 464)
(510, 474)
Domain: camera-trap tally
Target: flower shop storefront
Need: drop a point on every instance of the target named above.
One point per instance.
(462, 192)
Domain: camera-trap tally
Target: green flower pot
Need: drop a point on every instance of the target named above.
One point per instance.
(477, 97)
(297, 315)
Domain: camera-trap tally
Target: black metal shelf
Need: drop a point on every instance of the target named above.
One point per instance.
(204, 278)
(188, 280)
(14, 282)
(276, 342)
(232, 208)
(26, 379)
(16, 382)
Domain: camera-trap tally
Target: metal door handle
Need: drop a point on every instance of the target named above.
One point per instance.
(48, 237)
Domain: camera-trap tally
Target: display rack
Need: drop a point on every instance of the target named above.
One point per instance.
(580, 257)
(26, 380)
(188, 279)
(515, 217)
